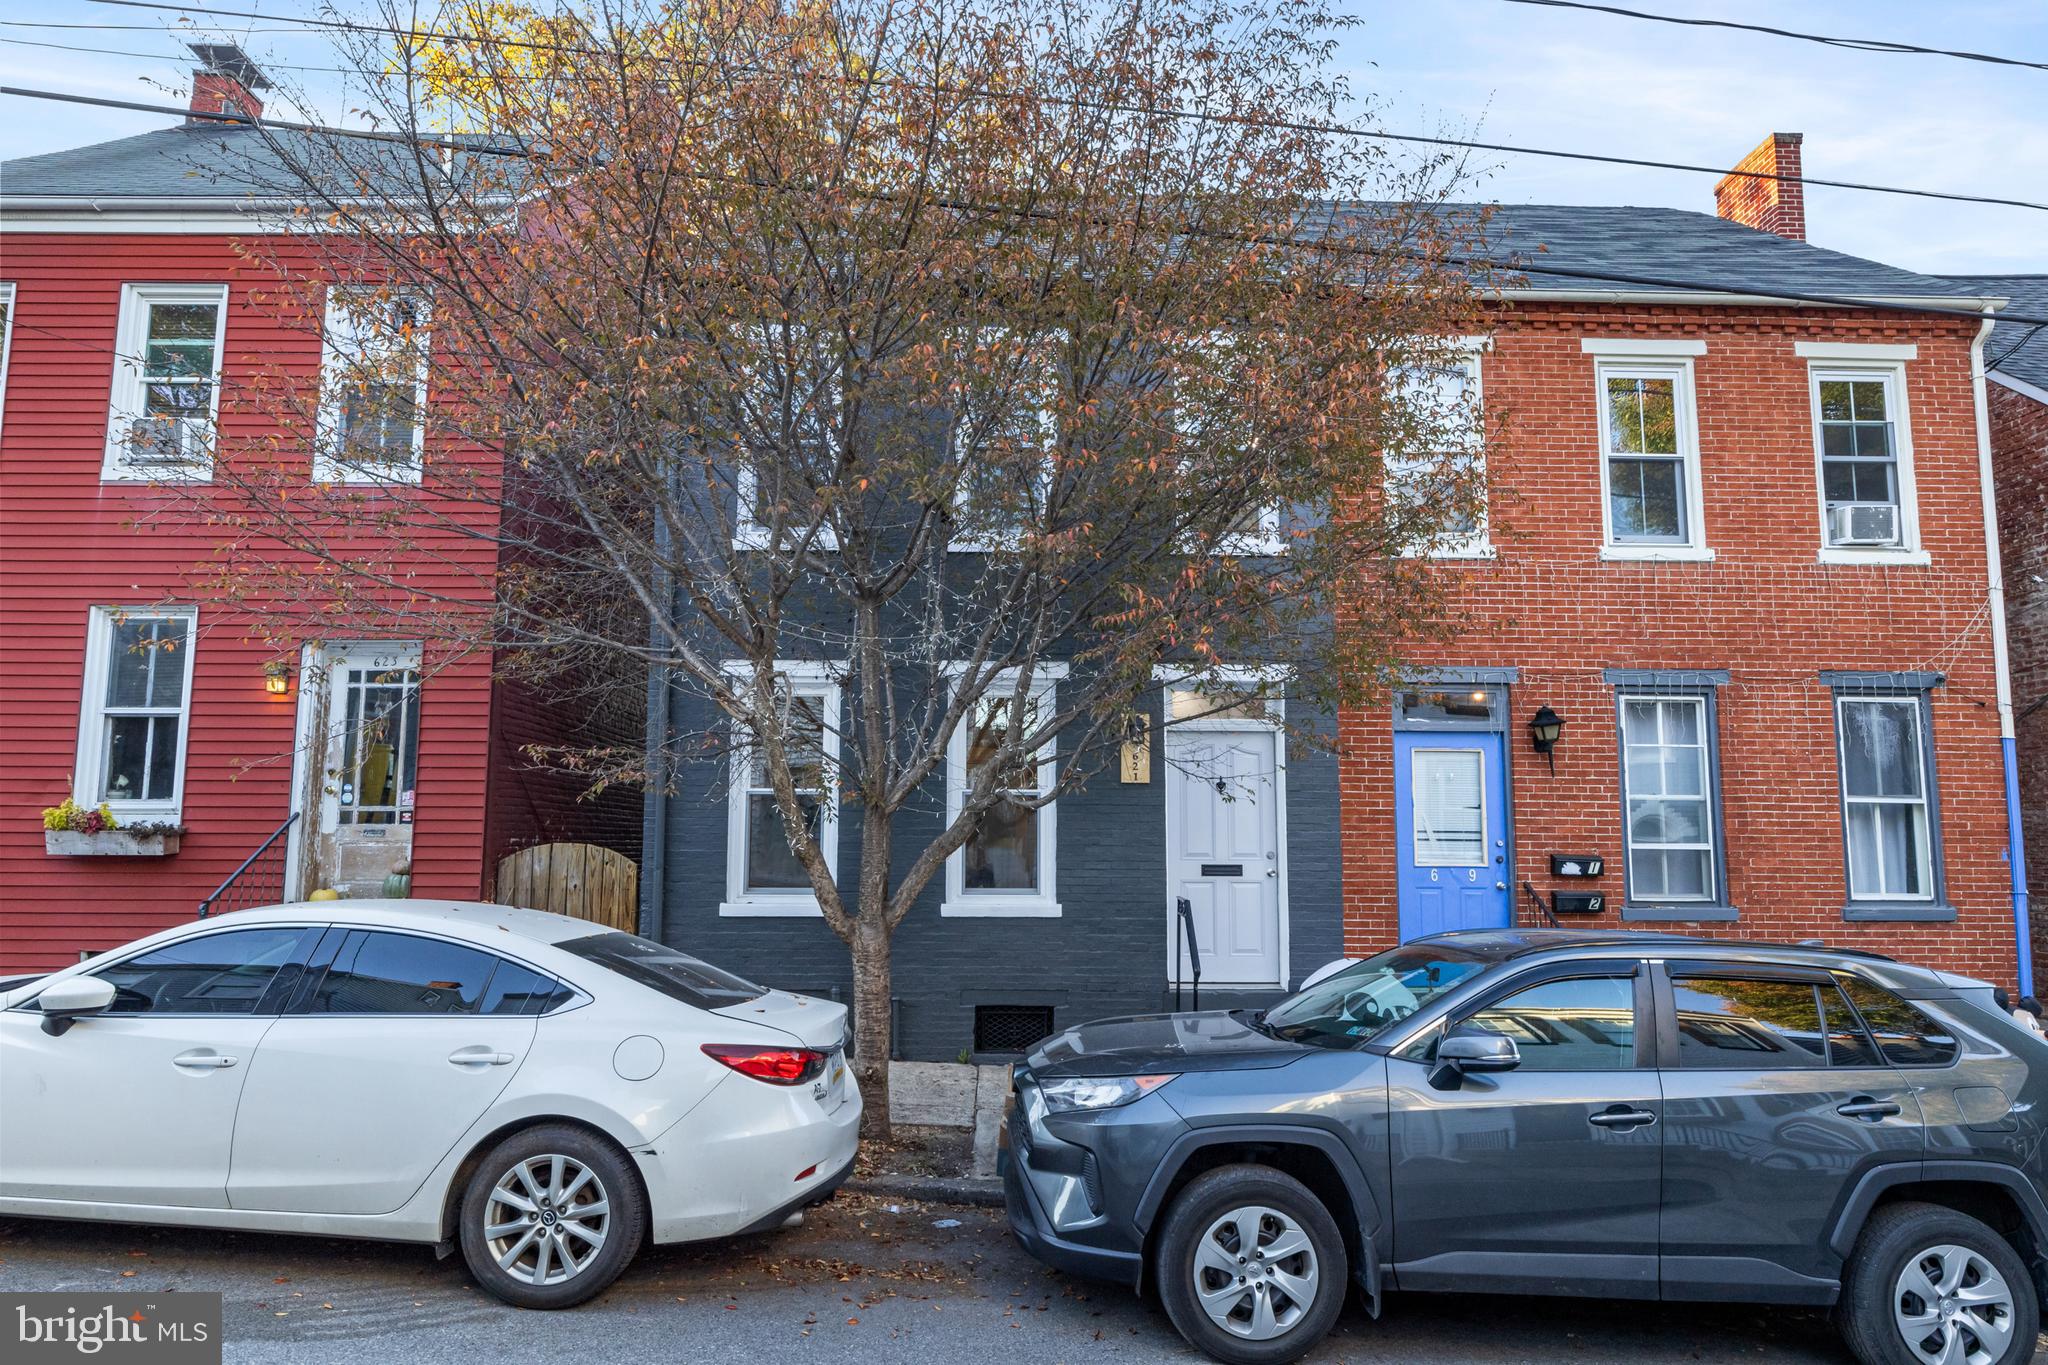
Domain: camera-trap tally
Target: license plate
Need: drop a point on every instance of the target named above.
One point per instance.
(832, 1089)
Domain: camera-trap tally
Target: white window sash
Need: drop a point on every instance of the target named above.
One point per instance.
(1042, 902)
(804, 680)
(1693, 543)
(6, 343)
(343, 347)
(127, 398)
(1709, 822)
(748, 533)
(1476, 543)
(987, 542)
(94, 713)
(1851, 802)
(1892, 373)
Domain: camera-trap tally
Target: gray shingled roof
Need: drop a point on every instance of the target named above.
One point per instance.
(2018, 349)
(1687, 250)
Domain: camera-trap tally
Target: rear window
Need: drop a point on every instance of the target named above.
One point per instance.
(675, 974)
(1905, 1035)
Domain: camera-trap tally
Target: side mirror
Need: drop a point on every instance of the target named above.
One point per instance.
(1472, 1052)
(70, 1000)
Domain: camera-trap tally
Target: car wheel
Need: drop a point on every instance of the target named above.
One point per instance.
(551, 1217)
(1251, 1267)
(1930, 1286)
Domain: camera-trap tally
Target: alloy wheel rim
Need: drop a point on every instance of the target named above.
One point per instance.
(1952, 1307)
(1255, 1272)
(547, 1219)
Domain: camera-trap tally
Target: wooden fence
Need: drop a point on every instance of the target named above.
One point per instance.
(573, 879)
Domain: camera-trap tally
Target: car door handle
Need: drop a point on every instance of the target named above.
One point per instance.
(1621, 1118)
(204, 1059)
(1864, 1107)
(478, 1056)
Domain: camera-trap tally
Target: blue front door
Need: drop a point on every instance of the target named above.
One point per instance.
(1450, 818)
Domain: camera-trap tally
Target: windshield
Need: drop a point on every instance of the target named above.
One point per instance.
(1359, 1002)
(675, 974)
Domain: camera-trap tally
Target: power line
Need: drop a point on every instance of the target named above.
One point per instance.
(166, 56)
(1157, 111)
(457, 142)
(1853, 44)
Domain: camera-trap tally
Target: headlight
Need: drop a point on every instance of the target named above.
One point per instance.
(1097, 1092)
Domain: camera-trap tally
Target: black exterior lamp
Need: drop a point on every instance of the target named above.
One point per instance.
(1544, 729)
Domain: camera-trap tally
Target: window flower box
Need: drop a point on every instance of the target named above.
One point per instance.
(109, 843)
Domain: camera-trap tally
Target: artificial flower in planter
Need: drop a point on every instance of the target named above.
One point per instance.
(74, 831)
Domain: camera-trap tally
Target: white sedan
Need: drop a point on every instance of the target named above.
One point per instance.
(545, 1092)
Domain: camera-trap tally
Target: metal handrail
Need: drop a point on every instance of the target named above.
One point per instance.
(1542, 904)
(1184, 932)
(206, 906)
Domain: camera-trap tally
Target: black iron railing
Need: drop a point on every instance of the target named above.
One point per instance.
(258, 881)
(1184, 936)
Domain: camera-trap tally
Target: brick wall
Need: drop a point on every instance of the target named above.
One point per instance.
(2019, 451)
(1764, 609)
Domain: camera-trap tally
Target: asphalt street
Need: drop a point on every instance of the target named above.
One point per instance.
(862, 1280)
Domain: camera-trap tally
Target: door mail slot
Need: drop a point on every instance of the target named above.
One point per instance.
(1222, 869)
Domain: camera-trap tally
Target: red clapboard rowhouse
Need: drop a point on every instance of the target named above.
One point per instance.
(142, 305)
(1734, 658)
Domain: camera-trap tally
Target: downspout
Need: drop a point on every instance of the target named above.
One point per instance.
(2015, 845)
(654, 806)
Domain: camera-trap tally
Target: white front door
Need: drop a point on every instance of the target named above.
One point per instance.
(370, 775)
(1223, 850)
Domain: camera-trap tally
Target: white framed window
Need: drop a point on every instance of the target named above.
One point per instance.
(375, 349)
(763, 875)
(1670, 827)
(1446, 399)
(1863, 460)
(781, 405)
(6, 339)
(1890, 820)
(165, 407)
(1008, 427)
(1218, 373)
(1009, 865)
(1650, 482)
(136, 710)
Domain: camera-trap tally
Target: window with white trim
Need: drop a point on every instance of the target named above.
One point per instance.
(165, 405)
(764, 876)
(373, 388)
(1649, 462)
(1861, 442)
(1217, 424)
(1007, 865)
(1890, 829)
(136, 710)
(789, 409)
(1667, 782)
(1007, 422)
(1444, 399)
(6, 338)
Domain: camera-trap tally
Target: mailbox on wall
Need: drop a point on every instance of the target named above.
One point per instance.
(1578, 903)
(1577, 864)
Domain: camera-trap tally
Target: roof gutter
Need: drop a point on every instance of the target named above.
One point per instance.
(2015, 843)
(1575, 295)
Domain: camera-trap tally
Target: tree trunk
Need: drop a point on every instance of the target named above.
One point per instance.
(871, 1033)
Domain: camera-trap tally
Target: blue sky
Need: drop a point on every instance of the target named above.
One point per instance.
(1489, 69)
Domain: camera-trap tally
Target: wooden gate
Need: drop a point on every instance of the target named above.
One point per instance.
(573, 879)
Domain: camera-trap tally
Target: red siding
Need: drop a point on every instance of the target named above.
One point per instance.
(69, 542)
(1763, 609)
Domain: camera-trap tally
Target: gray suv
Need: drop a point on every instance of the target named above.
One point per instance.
(1627, 1115)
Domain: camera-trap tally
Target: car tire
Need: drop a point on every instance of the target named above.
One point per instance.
(1924, 1266)
(1263, 1322)
(545, 1194)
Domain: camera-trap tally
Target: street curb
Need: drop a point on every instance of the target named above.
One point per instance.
(931, 1189)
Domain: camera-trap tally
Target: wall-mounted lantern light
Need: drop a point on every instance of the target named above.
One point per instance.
(277, 678)
(1544, 728)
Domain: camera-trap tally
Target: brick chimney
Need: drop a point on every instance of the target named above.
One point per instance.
(225, 82)
(1771, 205)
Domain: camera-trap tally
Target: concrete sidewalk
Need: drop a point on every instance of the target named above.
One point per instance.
(954, 1095)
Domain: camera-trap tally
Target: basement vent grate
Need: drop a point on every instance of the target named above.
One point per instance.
(1010, 1028)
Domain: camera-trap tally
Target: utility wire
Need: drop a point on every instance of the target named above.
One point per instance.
(167, 56)
(459, 142)
(1853, 44)
(1157, 111)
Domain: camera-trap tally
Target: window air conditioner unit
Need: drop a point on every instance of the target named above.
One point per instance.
(166, 441)
(1863, 523)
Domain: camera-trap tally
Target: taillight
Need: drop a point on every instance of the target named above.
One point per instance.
(775, 1065)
